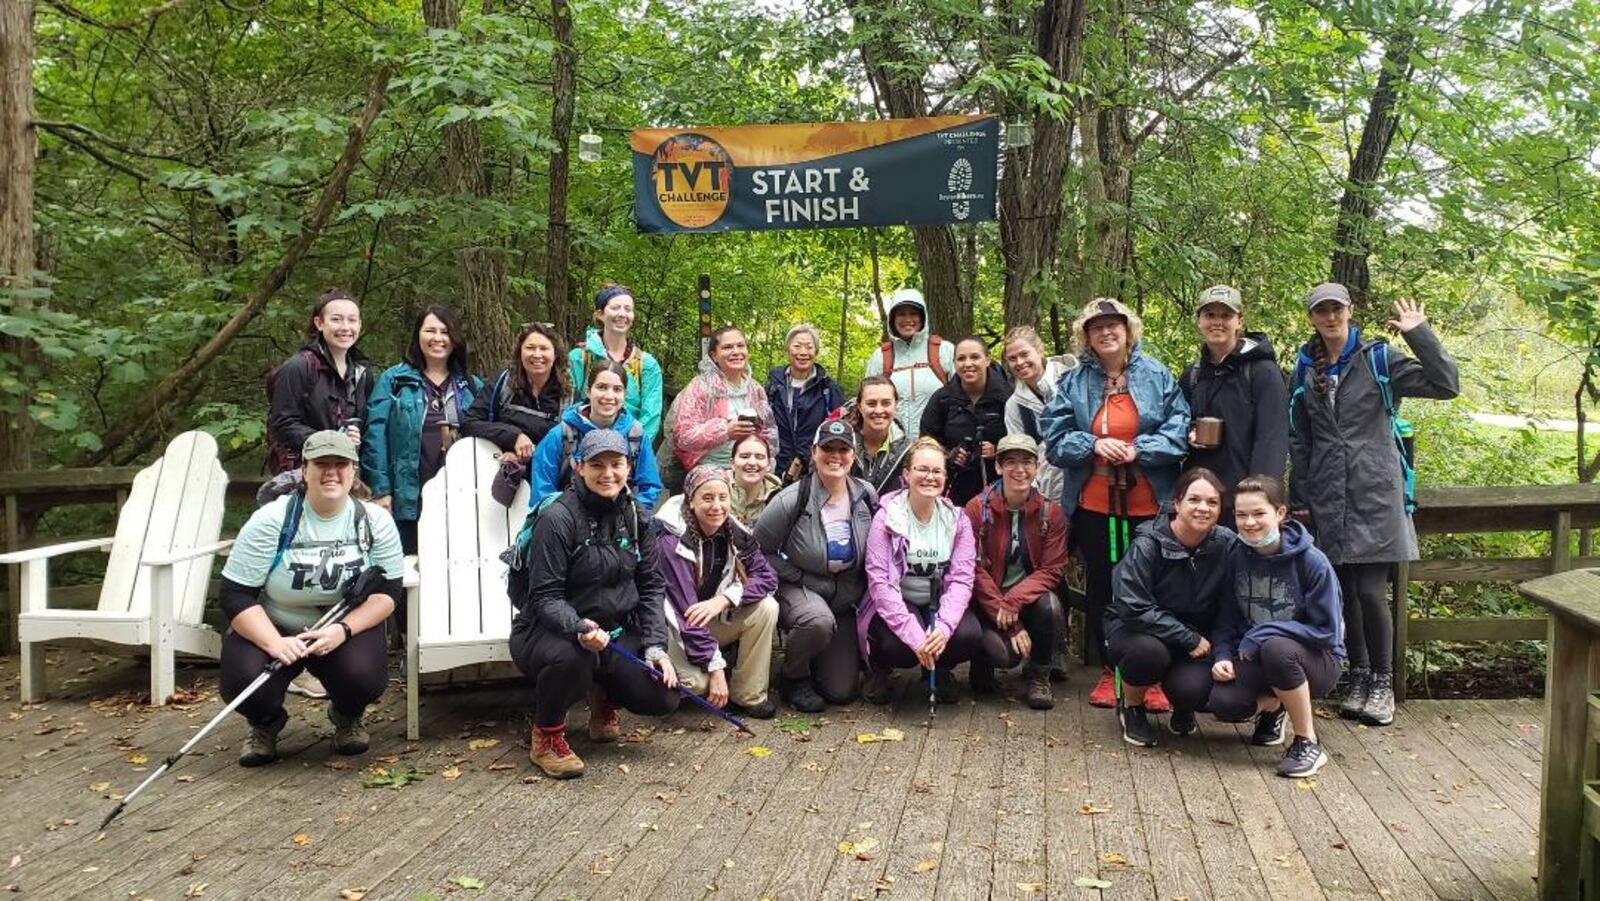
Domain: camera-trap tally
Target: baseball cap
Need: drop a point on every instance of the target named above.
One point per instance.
(835, 431)
(601, 441)
(329, 443)
(1327, 291)
(1016, 441)
(1224, 295)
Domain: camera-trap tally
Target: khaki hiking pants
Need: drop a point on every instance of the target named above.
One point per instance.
(752, 627)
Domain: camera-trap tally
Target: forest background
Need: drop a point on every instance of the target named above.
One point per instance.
(179, 179)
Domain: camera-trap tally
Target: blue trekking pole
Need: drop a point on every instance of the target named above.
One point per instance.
(630, 656)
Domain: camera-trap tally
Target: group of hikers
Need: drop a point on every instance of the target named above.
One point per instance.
(922, 523)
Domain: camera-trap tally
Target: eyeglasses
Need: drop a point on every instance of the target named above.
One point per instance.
(926, 471)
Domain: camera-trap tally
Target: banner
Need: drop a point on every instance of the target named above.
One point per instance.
(831, 175)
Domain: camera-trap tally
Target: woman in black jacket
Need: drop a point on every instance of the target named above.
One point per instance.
(1166, 593)
(526, 399)
(968, 415)
(592, 580)
(322, 386)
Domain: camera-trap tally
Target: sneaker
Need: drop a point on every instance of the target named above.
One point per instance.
(1355, 693)
(551, 753)
(1136, 728)
(1181, 722)
(1039, 695)
(1269, 728)
(605, 725)
(261, 745)
(878, 688)
(1303, 759)
(763, 709)
(349, 736)
(944, 687)
(983, 681)
(802, 696)
(1155, 700)
(307, 685)
(1379, 709)
(1105, 691)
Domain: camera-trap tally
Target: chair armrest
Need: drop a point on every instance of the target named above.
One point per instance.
(171, 557)
(56, 550)
(411, 578)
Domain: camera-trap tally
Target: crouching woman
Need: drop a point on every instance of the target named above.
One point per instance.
(1280, 643)
(592, 580)
(719, 594)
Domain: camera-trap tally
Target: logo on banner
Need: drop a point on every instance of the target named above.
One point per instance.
(959, 183)
(691, 174)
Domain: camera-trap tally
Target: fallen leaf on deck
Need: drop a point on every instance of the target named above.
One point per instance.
(757, 751)
(1112, 858)
(387, 758)
(858, 848)
(451, 774)
(1089, 809)
(16, 859)
(624, 768)
(342, 819)
(1090, 882)
(496, 767)
(99, 786)
(923, 866)
(470, 883)
(336, 764)
(138, 759)
(185, 779)
(727, 863)
(1030, 887)
(301, 839)
(352, 894)
(195, 889)
(1306, 784)
(868, 738)
(479, 744)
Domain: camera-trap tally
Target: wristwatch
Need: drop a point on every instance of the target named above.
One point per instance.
(346, 627)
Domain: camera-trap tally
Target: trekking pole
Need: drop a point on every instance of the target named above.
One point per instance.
(983, 469)
(358, 588)
(933, 679)
(633, 658)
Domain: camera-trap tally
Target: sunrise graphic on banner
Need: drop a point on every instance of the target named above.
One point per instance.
(925, 171)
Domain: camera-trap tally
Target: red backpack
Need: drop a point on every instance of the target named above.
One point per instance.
(887, 349)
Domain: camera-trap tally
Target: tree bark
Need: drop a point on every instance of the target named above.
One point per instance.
(1108, 201)
(1358, 207)
(18, 146)
(481, 263)
(262, 292)
(564, 311)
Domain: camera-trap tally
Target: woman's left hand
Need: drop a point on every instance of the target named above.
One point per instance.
(321, 641)
(986, 450)
(706, 611)
(1022, 643)
(1410, 315)
(669, 675)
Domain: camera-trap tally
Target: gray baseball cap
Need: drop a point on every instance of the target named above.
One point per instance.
(1328, 291)
(601, 441)
(329, 443)
(1223, 295)
(1016, 441)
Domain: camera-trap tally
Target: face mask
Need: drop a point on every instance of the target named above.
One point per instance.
(1266, 540)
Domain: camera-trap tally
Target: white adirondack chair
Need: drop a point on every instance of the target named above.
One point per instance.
(457, 612)
(157, 575)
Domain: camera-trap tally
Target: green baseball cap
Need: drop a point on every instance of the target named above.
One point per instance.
(329, 443)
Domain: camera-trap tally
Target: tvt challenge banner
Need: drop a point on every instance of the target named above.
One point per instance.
(927, 171)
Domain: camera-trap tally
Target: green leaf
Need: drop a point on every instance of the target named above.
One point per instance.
(470, 883)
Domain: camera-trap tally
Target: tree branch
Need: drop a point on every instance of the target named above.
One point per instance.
(1188, 94)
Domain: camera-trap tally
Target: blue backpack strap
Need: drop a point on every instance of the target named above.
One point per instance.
(291, 525)
(1378, 360)
(1298, 381)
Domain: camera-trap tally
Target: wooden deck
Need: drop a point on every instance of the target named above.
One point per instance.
(994, 800)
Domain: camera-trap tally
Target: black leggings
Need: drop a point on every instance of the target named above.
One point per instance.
(1146, 660)
(885, 650)
(1091, 537)
(1369, 624)
(562, 672)
(355, 674)
(1280, 663)
(1042, 620)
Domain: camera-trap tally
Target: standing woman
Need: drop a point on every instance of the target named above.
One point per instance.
(801, 396)
(721, 405)
(968, 416)
(754, 483)
(918, 361)
(920, 561)
(290, 563)
(324, 385)
(551, 472)
(1116, 428)
(591, 571)
(414, 414)
(607, 340)
(1350, 478)
(881, 444)
(1034, 377)
(526, 399)
(719, 594)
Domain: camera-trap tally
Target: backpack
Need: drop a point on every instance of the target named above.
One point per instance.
(501, 396)
(516, 557)
(934, 341)
(1399, 427)
(634, 365)
(291, 526)
(279, 456)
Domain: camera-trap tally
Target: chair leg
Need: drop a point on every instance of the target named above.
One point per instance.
(413, 701)
(32, 672)
(163, 650)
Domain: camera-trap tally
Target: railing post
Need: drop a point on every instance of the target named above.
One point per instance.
(1561, 542)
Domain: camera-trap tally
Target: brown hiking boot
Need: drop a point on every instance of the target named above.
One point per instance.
(604, 723)
(1039, 695)
(349, 736)
(261, 745)
(551, 753)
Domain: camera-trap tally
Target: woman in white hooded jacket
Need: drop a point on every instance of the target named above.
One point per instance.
(1034, 377)
(918, 361)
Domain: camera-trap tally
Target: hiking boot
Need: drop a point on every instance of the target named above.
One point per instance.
(1136, 728)
(763, 709)
(261, 745)
(983, 681)
(1303, 759)
(1155, 700)
(1379, 709)
(1269, 728)
(802, 695)
(605, 725)
(1355, 693)
(349, 736)
(1182, 722)
(944, 686)
(307, 686)
(878, 688)
(551, 753)
(1039, 696)
(1105, 691)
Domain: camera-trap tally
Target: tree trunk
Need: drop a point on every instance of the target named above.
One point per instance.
(1358, 207)
(564, 311)
(480, 266)
(1030, 187)
(1108, 201)
(18, 144)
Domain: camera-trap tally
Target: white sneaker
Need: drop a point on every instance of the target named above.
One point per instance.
(308, 686)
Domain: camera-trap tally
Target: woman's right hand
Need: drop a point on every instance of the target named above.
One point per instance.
(286, 649)
(523, 449)
(1201, 649)
(717, 690)
(932, 648)
(740, 429)
(1222, 671)
(595, 639)
(1114, 450)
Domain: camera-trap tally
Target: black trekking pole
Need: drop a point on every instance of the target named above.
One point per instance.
(633, 658)
(937, 583)
(364, 584)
